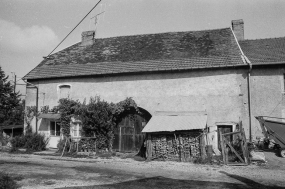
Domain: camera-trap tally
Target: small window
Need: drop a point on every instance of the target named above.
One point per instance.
(77, 128)
(64, 91)
(54, 128)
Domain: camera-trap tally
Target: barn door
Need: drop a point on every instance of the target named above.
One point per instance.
(128, 136)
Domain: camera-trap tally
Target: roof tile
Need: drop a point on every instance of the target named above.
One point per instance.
(143, 53)
(264, 51)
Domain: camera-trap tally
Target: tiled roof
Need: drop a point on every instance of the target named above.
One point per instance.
(143, 53)
(264, 51)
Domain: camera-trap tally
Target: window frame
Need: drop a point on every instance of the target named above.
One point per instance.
(55, 126)
(59, 90)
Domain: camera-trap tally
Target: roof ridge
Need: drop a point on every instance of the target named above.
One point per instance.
(262, 39)
(164, 33)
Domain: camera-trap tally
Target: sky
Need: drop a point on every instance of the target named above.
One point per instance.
(31, 29)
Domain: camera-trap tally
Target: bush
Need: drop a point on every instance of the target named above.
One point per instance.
(7, 181)
(30, 141)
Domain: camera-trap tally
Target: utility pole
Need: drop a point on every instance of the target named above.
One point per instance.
(15, 83)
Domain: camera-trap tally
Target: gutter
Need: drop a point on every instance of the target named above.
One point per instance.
(246, 61)
(37, 102)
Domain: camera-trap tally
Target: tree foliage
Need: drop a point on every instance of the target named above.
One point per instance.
(98, 117)
(11, 106)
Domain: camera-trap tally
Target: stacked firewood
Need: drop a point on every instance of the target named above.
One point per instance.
(183, 147)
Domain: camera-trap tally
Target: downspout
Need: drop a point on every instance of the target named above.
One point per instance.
(249, 100)
(246, 61)
(37, 103)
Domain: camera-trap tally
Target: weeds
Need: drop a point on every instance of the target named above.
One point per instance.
(9, 182)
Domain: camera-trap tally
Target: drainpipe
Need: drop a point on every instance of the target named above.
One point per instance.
(37, 103)
(249, 99)
(246, 61)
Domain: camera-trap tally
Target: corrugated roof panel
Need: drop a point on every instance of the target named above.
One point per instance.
(175, 123)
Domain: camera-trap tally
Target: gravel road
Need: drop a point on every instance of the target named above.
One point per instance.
(55, 172)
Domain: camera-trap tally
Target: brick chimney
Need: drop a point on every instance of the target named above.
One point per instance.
(238, 29)
(87, 38)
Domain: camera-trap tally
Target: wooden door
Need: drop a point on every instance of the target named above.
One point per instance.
(128, 136)
(224, 129)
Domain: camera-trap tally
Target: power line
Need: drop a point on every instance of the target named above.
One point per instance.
(74, 28)
(276, 106)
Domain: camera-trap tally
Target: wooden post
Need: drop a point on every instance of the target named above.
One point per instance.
(245, 147)
(202, 146)
(77, 146)
(64, 147)
(226, 153)
(223, 147)
(180, 150)
(149, 147)
(120, 139)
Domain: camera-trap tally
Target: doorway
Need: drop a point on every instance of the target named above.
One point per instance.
(128, 135)
(224, 129)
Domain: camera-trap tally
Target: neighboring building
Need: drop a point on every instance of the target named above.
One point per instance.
(198, 71)
(266, 78)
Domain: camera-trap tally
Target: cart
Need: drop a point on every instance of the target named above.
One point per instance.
(273, 130)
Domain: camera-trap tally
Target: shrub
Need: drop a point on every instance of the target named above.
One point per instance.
(36, 142)
(7, 181)
(18, 142)
(30, 141)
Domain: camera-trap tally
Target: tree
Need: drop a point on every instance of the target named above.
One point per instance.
(11, 107)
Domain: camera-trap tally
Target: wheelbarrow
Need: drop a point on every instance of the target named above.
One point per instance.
(273, 130)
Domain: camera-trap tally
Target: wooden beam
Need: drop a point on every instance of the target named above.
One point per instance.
(245, 147)
(223, 147)
(202, 146)
(234, 151)
(232, 133)
(149, 147)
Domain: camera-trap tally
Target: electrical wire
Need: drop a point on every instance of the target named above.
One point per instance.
(276, 106)
(74, 28)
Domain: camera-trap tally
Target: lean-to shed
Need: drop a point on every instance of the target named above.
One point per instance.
(175, 135)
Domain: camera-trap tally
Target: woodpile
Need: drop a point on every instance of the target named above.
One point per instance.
(175, 146)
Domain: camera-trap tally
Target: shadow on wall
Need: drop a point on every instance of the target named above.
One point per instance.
(162, 182)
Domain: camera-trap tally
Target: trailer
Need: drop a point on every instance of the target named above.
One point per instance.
(275, 130)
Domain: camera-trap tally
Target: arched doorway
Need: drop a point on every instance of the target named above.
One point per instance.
(128, 135)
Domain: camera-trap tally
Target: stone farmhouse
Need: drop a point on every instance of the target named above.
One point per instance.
(215, 78)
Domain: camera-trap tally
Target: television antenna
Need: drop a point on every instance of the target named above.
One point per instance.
(96, 20)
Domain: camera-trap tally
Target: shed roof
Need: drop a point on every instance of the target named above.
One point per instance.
(143, 53)
(12, 126)
(264, 51)
(50, 116)
(162, 123)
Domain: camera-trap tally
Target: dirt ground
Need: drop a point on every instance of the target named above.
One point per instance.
(55, 172)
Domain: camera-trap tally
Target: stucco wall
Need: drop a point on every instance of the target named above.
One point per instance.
(267, 94)
(218, 92)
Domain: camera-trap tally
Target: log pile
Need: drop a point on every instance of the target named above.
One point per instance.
(176, 147)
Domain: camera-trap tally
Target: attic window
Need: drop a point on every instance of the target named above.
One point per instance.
(64, 91)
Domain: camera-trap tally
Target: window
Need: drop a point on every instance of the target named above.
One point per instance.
(77, 129)
(64, 91)
(54, 128)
